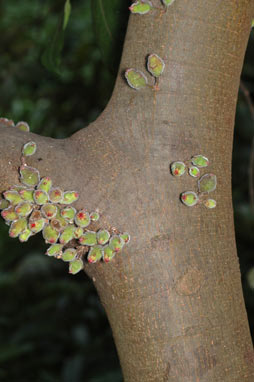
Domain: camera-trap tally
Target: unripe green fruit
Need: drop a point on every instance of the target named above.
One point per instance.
(75, 266)
(50, 235)
(140, 7)
(49, 210)
(29, 149)
(125, 237)
(13, 197)
(94, 216)
(135, 78)
(27, 194)
(200, 161)
(40, 197)
(69, 254)
(210, 203)
(29, 176)
(9, 214)
(24, 236)
(68, 213)
(82, 219)
(194, 171)
(17, 227)
(177, 168)
(24, 209)
(189, 198)
(70, 197)
(56, 195)
(4, 204)
(45, 184)
(103, 236)
(155, 65)
(55, 250)
(108, 254)
(23, 126)
(116, 243)
(88, 238)
(207, 183)
(78, 232)
(36, 225)
(95, 254)
(67, 234)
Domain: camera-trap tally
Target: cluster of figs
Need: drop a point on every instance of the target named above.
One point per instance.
(141, 7)
(137, 79)
(36, 206)
(206, 183)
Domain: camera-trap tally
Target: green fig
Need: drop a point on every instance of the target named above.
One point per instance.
(40, 197)
(69, 254)
(56, 195)
(4, 204)
(116, 243)
(13, 197)
(75, 266)
(88, 238)
(68, 213)
(55, 250)
(200, 161)
(125, 237)
(27, 194)
(24, 209)
(207, 183)
(9, 214)
(49, 210)
(78, 232)
(82, 218)
(155, 65)
(24, 236)
(29, 149)
(29, 176)
(36, 225)
(189, 198)
(23, 126)
(210, 203)
(45, 184)
(17, 227)
(67, 234)
(94, 216)
(95, 254)
(177, 168)
(50, 234)
(136, 79)
(167, 3)
(108, 254)
(103, 236)
(194, 171)
(141, 7)
(70, 197)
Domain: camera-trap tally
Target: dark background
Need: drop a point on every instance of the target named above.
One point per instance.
(52, 325)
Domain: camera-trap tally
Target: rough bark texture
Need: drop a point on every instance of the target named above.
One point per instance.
(173, 297)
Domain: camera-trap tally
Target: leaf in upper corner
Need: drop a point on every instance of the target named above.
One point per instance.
(51, 57)
(67, 12)
(110, 21)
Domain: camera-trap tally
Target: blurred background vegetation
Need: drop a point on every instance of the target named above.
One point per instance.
(52, 326)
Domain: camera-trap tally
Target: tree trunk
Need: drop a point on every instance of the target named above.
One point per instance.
(173, 296)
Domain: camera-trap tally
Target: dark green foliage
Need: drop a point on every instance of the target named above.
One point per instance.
(52, 327)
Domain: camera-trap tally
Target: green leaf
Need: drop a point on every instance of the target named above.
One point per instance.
(51, 57)
(67, 12)
(110, 21)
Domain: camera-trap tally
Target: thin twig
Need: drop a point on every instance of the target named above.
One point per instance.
(246, 94)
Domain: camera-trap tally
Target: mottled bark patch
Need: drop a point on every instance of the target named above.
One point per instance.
(249, 357)
(190, 282)
(190, 364)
